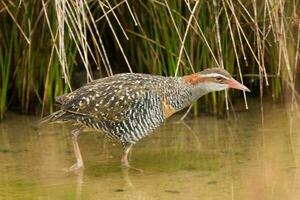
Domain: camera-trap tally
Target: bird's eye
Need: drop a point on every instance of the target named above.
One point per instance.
(219, 79)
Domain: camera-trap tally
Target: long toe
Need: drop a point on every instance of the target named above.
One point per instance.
(75, 167)
(127, 166)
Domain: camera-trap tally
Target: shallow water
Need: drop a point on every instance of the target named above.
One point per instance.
(245, 156)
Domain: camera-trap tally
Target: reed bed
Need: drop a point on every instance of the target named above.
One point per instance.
(42, 44)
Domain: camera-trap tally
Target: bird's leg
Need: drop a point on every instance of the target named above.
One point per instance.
(79, 162)
(124, 159)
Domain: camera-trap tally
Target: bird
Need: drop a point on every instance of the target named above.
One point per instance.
(129, 106)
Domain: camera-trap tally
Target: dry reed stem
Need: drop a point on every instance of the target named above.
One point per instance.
(259, 58)
(136, 18)
(258, 42)
(244, 35)
(149, 40)
(218, 38)
(83, 35)
(81, 25)
(50, 28)
(102, 51)
(116, 37)
(252, 19)
(258, 32)
(262, 40)
(205, 40)
(131, 13)
(270, 18)
(295, 68)
(17, 24)
(219, 46)
(284, 41)
(297, 56)
(240, 39)
(60, 9)
(116, 18)
(184, 37)
(76, 35)
(78, 26)
(186, 112)
(180, 38)
(235, 51)
(79, 34)
(110, 10)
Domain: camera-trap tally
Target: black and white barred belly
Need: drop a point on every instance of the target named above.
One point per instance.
(143, 115)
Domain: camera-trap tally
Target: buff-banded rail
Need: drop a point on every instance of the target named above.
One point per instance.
(129, 106)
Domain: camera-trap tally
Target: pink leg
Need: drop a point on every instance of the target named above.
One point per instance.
(79, 162)
(124, 159)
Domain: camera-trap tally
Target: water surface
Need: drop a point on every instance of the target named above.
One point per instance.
(247, 155)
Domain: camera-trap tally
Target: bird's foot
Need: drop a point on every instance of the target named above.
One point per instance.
(76, 167)
(125, 163)
(127, 166)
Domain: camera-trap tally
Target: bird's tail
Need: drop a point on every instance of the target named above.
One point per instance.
(56, 116)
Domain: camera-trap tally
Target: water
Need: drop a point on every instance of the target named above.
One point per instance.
(245, 156)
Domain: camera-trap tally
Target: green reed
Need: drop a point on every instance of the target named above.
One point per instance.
(42, 41)
(30, 73)
(254, 40)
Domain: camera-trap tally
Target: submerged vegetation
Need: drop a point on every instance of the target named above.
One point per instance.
(43, 44)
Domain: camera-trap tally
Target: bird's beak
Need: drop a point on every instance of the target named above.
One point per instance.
(232, 83)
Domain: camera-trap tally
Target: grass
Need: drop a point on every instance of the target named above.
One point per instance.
(30, 70)
(43, 42)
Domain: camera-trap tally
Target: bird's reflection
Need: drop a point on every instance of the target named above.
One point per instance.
(79, 184)
(134, 192)
(126, 178)
(130, 191)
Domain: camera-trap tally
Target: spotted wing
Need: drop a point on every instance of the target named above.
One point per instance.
(105, 99)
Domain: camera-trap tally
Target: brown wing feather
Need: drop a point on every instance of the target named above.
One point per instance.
(108, 98)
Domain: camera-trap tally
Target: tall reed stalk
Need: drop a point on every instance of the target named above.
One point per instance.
(30, 73)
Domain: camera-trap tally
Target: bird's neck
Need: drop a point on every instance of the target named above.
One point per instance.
(180, 94)
(176, 93)
(201, 89)
(198, 85)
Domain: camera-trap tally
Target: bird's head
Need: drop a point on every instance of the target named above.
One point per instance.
(212, 79)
